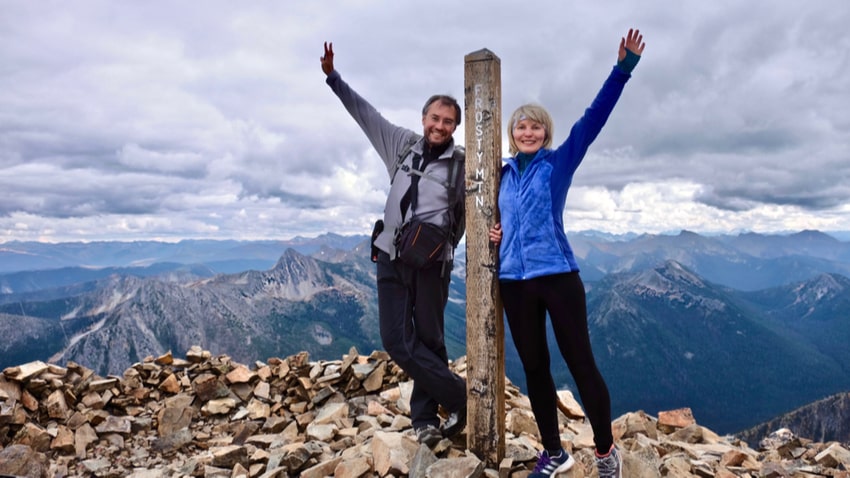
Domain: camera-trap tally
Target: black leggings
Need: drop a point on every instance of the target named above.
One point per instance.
(562, 295)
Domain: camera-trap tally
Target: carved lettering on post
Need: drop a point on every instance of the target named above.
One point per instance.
(485, 334)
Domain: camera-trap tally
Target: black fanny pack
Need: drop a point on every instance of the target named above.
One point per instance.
(421, 244)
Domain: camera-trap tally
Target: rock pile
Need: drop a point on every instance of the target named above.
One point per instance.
(209, 416)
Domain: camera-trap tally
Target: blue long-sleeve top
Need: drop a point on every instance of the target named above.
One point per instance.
(531, 202)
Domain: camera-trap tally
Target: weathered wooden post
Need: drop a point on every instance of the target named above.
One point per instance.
(485, 333)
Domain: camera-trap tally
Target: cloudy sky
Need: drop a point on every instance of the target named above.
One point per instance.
(211, 119)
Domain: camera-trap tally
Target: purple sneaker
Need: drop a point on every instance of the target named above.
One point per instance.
(552, 465)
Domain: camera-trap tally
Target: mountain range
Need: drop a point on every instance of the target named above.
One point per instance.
(740, 329)
(825, 419)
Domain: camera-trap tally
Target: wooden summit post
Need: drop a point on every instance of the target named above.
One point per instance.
(485, 331)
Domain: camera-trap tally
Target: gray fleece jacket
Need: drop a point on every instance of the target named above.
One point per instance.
(390, 141)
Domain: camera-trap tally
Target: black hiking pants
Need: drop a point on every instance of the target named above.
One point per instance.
(410, 306)
(562, 296)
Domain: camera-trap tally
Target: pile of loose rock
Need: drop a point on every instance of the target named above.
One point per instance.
(209, 416)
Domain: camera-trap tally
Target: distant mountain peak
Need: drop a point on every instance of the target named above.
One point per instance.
(824, 285)
(668, 276)
(814, 234)
(295, 277)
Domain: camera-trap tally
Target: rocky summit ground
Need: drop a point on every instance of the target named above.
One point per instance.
(208, 416)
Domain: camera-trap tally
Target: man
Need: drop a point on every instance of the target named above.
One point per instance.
(411, 301)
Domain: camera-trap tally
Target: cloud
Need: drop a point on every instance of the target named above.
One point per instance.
(212, 119)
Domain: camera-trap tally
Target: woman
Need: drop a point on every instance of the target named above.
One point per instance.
(538, 271)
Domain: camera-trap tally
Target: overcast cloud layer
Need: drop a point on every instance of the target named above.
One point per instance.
(211, 119)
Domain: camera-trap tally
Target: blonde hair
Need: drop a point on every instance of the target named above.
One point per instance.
(536, 113)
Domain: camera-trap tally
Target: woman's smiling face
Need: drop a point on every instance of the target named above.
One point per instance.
(529, 135)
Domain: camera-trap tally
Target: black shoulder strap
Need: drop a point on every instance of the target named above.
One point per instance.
(451, 181)
(404, 152)
(457, 216)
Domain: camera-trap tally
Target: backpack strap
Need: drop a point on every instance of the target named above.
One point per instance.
(399, 165)
(413, 139)
(447, 184)
(455, 208)
(457, 219)
(407, 169)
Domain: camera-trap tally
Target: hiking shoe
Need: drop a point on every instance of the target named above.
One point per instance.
(429, 436)
(455, 423)
(552, 465)
(610, 465)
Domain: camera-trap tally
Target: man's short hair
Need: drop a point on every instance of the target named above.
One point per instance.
(444, 100)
